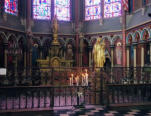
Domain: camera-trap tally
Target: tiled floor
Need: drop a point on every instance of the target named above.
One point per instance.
(87, 111)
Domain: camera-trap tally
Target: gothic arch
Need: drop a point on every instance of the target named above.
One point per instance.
(87, 40)
(10, 37)
(108, 38)
(92, 40)
(38, 40)
(70, 40)
(4, 37)
(115, 38)
(61, 41)
(137, 33)
(130, 36)
(22, 37)
(45, 39)
(144, 31)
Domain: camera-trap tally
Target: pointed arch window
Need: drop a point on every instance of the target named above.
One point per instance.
(112, 8)
(42, 9)
(62, 9)
(92, 9)
(11, 7)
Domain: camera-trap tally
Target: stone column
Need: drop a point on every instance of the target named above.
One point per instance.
(112, 55)
(128, 57)
(16, 65)
(5, 54)
(90, 56)
(25, 63)
(30, 61)
(134, 44)
(142, 54)
(142, 61)
(81, 51)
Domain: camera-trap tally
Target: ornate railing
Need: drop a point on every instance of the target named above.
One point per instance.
(45, 98)
(42, 89)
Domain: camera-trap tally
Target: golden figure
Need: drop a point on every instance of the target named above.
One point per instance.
(99, 53)
(55, 31)
(55, 25)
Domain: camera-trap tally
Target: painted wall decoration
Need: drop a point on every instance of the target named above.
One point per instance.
(119, 53)
(42, 9)
(92, 9)
(11, 7)
(112, 8)
(62, 9)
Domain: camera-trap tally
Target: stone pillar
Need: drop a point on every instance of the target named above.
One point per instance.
(5, 54)
(25, 63)
(77, 28)
(142, 55)
(134, 44)
(16, 65)
(112, 55)
(28, 18)
(128, 57)
(30, 61)
(90, 56)
(81, 51)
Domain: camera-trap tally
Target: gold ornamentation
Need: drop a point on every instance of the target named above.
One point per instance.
(99, 53)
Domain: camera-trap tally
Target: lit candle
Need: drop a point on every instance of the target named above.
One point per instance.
(86, 77)
(77, 80)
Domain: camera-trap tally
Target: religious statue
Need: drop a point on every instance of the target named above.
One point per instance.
(119, 53)
(99, 53)
(55, 25)
(55, 31)
(69, 52)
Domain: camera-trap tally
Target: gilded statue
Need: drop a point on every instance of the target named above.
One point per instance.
(55, 25)
(99, 53)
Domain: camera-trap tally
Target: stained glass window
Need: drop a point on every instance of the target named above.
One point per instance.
(112, 8)
(92, 9)
(11, 7)
(62, 9)
(41, 9)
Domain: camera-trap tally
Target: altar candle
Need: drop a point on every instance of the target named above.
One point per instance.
(86, 78)
(82, 79)
(77, 80)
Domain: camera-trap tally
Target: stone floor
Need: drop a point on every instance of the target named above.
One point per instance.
(87, 111)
